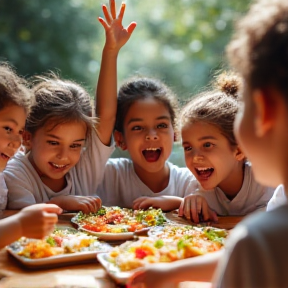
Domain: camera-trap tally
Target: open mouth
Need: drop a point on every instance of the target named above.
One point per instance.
(204, 172)
(5, 157)
(57, 166)
(152, 154)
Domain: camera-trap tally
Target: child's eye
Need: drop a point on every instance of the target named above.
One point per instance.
(136, 128)
(53, 143)
(8, 129)
(208, 145)
(162, 125)
(187, 148)
(75, 146)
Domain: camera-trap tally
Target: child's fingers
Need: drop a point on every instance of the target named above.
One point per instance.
(194, 210)
(122, 10)
(213, 215)
(52, 208)
(131, 27)
(180, 211)
(198, 205)
(205, 211)
(106, 14)
(187, 209)
(112, 8)
(104, 24)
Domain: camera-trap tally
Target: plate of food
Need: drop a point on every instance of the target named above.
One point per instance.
(65, 245)
(174, 231)
(128, 258)
(115, 223)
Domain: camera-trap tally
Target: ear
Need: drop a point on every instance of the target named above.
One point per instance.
(264, 112)
(27, 136)
(119, 140)
(239, 155)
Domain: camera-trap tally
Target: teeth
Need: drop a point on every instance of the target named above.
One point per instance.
(58, 166)
(203, 169)
(152, 149)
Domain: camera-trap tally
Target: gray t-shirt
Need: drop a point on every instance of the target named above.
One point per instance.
(252, 196)
(256, 252)
(121, 185)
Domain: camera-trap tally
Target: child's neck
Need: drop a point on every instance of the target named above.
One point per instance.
(234, 183)
(155, 181)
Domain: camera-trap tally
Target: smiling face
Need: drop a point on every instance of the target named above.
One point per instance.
(54, 150)
(12, 122)
(148, 135)
(210, 157)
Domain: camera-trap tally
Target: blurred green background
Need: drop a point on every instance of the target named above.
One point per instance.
(181, 42)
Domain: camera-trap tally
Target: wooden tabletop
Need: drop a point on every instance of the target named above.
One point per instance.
(12, 274)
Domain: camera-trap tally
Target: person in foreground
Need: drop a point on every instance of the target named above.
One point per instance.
(35, 221)
(256, 252)
(67, 148)
(226, 182)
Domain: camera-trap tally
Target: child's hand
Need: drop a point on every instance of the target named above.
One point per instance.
(154, 276)
(37, 221)
(116, 34)
(194, 205)
(165, 203)
(86, 204)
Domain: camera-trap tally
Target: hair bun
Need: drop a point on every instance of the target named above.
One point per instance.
(229, 83)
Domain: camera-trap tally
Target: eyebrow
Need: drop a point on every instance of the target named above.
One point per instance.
(140, 119)
(201, 139)
(58, 138)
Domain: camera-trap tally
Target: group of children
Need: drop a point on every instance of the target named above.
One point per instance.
(66, 163)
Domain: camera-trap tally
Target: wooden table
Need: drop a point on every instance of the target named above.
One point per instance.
(13, 275)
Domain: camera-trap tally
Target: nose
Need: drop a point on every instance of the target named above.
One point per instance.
(62, 153)
(197, 156)
(15, 142)
(152, 135)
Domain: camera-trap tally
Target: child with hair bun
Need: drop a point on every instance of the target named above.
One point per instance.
(226, 185)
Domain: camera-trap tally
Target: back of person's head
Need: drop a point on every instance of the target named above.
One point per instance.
(139, 88)
(59, 101)
(217, 106)
(259, 48)
(13, 89)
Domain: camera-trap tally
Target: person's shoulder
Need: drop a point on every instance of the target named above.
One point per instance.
(15, 161)
(180, 170)
(119, 163)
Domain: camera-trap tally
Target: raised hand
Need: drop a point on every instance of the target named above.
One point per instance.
(116, 34)
(194, 205)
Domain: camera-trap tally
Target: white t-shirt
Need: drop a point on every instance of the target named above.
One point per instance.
(25, 186)
(252, 196)
(3, 192)
(121, 185)
(279, 198)
(256, 252)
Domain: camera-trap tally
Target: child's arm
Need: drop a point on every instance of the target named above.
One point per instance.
(86, 204)
(166, 203)
(106, 94)
(166, 274)
(35, 221)
(193, 205)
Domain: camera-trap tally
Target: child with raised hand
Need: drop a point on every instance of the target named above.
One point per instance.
(226, 183)
(146, 116)
(256, 251)
(67, 148)
(15, 99)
